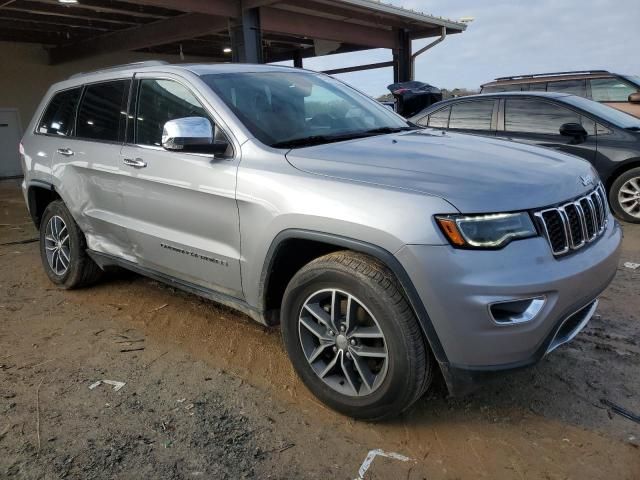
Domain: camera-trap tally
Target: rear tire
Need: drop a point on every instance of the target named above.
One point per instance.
(382, 364)
(624, 196)
(63, 249)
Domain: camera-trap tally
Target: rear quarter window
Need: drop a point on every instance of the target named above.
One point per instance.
(574, 87)
(439, 119)
(59, 116)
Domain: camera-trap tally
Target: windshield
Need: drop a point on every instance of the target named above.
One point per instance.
(635, 79)
(288, 109)
(618, 118)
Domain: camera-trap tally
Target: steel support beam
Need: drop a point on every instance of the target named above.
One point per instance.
(246, 37)
(358, 68)
(292, 23)
(174, 29)
(223, 8)
(297, 59)
(402, 57)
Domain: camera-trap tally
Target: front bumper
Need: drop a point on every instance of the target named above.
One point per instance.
(457, 286)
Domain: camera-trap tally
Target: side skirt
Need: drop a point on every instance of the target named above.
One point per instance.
(105, 260)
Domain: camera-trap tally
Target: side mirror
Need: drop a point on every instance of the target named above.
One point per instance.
(191, 135)
(574, 130)
(634, 97)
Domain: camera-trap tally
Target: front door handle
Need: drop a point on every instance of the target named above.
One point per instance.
(135, 163)
(67, 152)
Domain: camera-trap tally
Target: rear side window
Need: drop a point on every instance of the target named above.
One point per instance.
(500, 88)
(534, 116)
(472, 115)
(102, 112)
(538, 87)
(574, 87)
(439, 119)
(59, 116)
(610, 90)
(158, 102)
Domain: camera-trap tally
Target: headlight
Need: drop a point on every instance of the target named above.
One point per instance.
(486, 231)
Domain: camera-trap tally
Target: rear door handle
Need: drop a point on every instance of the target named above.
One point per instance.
(67, 152)
(135, 163)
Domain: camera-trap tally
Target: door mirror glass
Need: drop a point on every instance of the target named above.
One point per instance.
(634, 97)
(574, 130)
(191, 135)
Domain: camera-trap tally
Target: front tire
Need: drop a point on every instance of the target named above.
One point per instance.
(63, 249)
(624, 196)
(353, 338)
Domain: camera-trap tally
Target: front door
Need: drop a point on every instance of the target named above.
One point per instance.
(538, 122)
(182, 216)
(9, 140)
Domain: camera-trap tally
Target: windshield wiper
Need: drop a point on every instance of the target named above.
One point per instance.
(633, 129)
(320, 139)
(383, 130)
(312, 140)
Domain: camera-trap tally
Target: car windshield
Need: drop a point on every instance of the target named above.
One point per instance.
(618, 118)
(294, 109)
(635, 79)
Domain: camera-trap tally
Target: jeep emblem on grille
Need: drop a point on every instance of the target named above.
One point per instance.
(587, 180)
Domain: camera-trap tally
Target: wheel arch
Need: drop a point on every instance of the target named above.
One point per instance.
(39, 195)
(274, 278)
(623, 167)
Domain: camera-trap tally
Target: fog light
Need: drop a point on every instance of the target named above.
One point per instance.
(513, 312)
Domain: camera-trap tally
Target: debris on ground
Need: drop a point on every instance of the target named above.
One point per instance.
(158, 308)
(631, 265)
(116, 385)
(623, 412)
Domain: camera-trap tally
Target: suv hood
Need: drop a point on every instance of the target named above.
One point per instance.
(475, 174)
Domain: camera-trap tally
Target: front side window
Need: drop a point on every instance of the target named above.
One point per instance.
(59, 116)
(439, 119)
(288, 109)
(573, 87)
(610, 90)
(534, 116)
(102, 112)
(538, 87)
(472, 115)
(158, 102)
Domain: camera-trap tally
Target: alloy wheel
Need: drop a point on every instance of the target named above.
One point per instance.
(57, 245)
(343, 342)
(629, 197)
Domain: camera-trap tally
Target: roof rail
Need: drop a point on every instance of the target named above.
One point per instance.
(126, 66)
(551, 74)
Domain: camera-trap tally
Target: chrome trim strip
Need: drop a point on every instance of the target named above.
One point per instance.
(537, 304)
(540, 215)
(556, 342)
(594, 217)
(583, 221)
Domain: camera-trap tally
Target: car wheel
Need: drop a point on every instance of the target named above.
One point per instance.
(353, 338)
(624, 196)
(63, 249)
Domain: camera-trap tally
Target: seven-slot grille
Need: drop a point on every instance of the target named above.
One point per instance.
(572, 225)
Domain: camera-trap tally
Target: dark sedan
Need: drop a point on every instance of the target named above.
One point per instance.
(607, 138)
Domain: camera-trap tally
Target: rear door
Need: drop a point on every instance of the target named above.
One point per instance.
(182, 215)
(85, 165)
(537, 122)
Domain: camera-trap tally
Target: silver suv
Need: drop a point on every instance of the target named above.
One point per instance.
(386, 252)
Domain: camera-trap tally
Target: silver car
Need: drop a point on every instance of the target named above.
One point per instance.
(386, 252)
